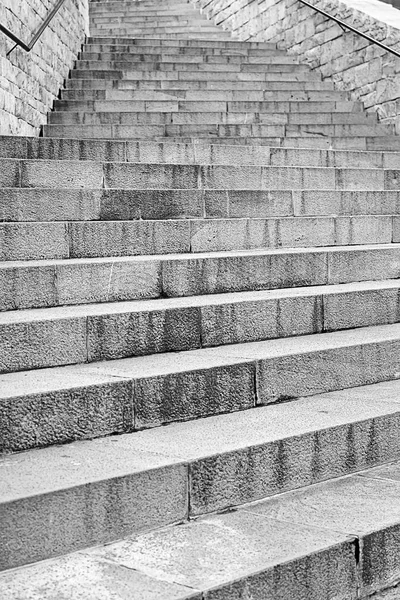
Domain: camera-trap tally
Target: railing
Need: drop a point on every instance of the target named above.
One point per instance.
(28, 47)
(345, 25)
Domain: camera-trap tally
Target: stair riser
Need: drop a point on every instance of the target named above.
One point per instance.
(162, 35)
(304, 80)
(64, 521)
(234, 96)
(213, 132)
(309, 88)
(92, 281)
(143, 42)
(43, 241)
(153, 152)
(96, 175)
(265, 60)
(181, 51)
(286, 70)
(87, 338)
(346, 110)
(27, 205)
(207, 118)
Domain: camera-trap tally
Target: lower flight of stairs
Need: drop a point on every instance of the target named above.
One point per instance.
(199, 327)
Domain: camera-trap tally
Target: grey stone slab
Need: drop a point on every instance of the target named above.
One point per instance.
(364, 507)
(128, 238)
(364, 230)
(34, 415)
(209, 274)
(22, 204)
(151, 204)
(230, 555)
(87, 577)
(75, 149)
(65, 498)
(24, 285)
(10, 170)
(33, 241)
(366, 264)
(130, 334)
(108, 280)
(137, 176)
(32, 345)
(56, 174)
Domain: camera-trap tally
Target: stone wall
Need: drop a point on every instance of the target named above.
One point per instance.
(368, 72)
(29, 82)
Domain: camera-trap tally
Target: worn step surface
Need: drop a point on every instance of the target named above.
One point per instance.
(66, 498)
(88, 333)
(321, 542)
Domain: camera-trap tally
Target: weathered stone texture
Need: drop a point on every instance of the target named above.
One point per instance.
(368, 72)
(29, 82)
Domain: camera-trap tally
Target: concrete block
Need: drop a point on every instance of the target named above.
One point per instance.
(150, 204)
(363, 230)
(10, 173)
(81, 282)
(128, 238)
(61, 174)
(27, 286)
(137, 176)
(33, 241)
(57, 410)
(119, 334)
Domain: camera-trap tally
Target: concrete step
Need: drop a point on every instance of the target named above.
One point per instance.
(36, 204)
(42, 338)
(185, 65)
(207, 72)
(172, 105)
(179, 35)
(160, 93)
(58, 240)
(96, 175)
(217, 117)
(210, 132)
(153, 152)
(201, 52)
(270, 83)
(46, 283)
(134, 41)
(55, 500)
(267, 57)
(324, 540)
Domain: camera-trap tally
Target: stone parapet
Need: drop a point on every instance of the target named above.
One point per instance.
(30, 82)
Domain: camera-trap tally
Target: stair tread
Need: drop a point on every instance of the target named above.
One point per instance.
(140, 367)
(136, 306)
(248, 548)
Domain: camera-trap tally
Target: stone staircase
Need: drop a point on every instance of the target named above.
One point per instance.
(200, 327)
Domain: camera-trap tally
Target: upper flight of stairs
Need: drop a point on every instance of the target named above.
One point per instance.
(199, 327)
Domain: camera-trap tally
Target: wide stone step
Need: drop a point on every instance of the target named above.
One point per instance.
(201, 53)
(191, 66)
(37, 241)
(46, 283)
(41, 204)
(323, 540)
(206, 73)
(267, 58)
(225, 95)
(217, 117)
(55, 500)
(91, 175)
(298, 89)
(36, 339)
(134, 41)
(211, 132)
(172, 105)
(183, 34)
(154, 152)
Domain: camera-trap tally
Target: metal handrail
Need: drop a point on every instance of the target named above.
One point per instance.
(28, 47)
(344, 25)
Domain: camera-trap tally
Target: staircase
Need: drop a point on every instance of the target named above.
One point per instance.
(200, 327)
